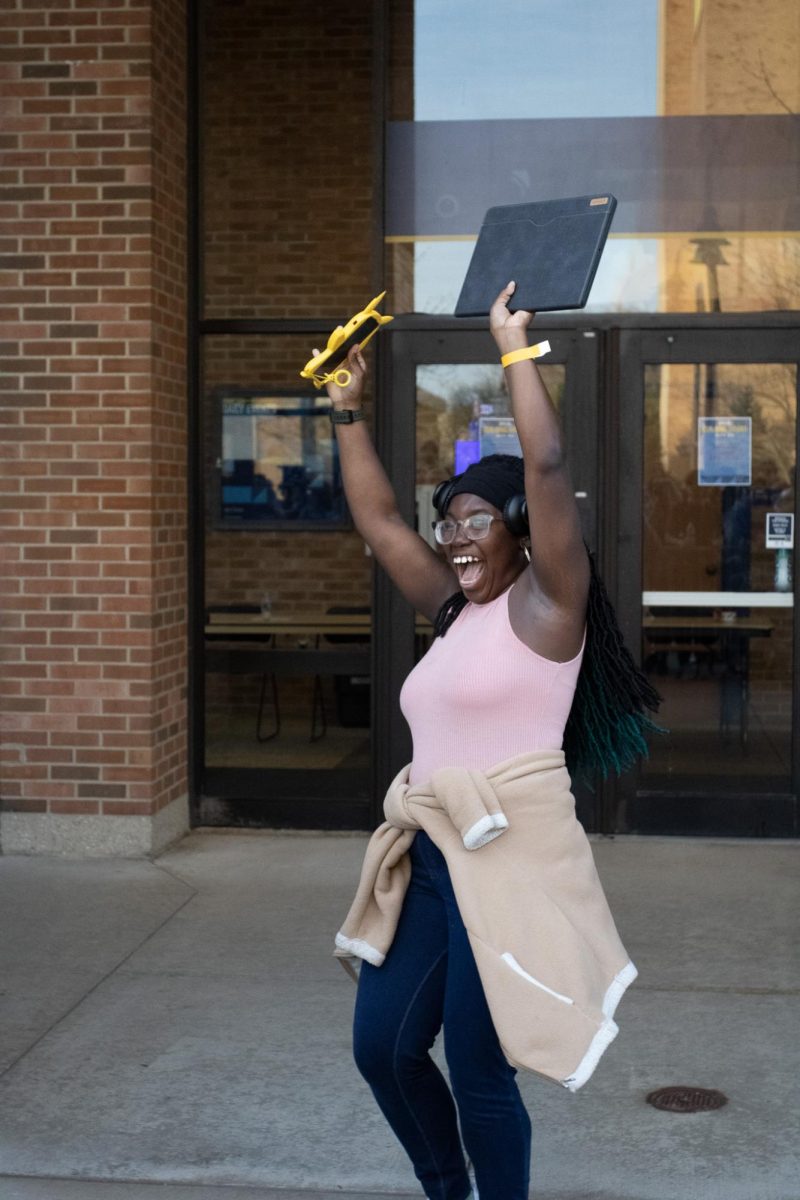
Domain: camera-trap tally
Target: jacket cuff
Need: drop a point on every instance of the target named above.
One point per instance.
(485, 830)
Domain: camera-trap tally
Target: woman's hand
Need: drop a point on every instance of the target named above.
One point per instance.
(509, 330)
(350, 396)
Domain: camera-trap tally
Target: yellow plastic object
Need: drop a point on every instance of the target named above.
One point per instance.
(359, 329)
(528, 352)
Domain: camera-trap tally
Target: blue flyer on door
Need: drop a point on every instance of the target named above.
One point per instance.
(724, 451)
(498, 435)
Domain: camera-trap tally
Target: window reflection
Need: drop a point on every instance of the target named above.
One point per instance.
(698, 537)
(287, 599)
(685, 111)
(592, 57)
(723, 666)
(432, 272)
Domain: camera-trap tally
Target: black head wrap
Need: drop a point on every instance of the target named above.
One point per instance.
(496, 478)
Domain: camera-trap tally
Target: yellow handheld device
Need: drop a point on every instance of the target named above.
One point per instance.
(359, 329)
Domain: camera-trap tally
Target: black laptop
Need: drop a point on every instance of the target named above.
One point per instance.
(551, 249)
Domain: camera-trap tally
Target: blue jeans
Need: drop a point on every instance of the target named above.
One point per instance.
(430, 980)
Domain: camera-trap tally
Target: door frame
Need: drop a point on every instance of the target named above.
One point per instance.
(413, 342)
(631, 808)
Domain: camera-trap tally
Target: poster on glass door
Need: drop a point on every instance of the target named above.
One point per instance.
(724, 451)
(498, 435)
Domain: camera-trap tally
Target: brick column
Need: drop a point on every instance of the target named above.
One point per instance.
(92, 302)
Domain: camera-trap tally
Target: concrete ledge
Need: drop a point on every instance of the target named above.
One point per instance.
(84, 836)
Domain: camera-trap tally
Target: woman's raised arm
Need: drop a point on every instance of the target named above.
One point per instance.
(559, 575)
(422, 576)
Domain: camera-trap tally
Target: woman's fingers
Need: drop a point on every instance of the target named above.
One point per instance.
(355, 360)
(507, 293)
(500, 316)
(499, 310)
(357, 367)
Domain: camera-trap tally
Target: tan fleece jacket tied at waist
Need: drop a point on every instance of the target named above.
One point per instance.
(550, 959)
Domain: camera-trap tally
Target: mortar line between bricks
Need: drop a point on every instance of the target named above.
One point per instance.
(126, 958)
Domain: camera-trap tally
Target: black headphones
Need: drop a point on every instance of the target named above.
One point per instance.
(515, 509)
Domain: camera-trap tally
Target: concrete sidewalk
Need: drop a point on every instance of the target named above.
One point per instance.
(178, 1029)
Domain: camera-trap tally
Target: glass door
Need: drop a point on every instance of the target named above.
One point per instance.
(449, 406)
(707, 456)
(284, 686)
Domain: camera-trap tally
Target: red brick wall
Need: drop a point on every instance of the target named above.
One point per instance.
(399, 256)
(288, 202)
(288, 148)
(93, 281)
(169, 392)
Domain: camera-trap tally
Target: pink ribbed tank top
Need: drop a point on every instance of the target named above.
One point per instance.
(480, 695)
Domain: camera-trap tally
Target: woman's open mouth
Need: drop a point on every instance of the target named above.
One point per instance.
(469, 569)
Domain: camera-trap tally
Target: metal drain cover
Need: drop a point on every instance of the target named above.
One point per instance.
(686, 1099)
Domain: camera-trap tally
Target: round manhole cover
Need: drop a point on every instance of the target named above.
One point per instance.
(686, 1099)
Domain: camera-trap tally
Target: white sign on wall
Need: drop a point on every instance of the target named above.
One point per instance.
(780, 531)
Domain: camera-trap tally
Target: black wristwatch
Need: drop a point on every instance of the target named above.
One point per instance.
(345, 416)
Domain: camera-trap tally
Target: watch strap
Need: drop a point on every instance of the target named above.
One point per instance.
(346, 416)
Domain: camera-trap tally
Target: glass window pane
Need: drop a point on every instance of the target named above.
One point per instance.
(458, 405)
(699, 536)
(588, 61)
(428, 274)
(683, 111)
(726, 685)
(717, 621)
(288, 609)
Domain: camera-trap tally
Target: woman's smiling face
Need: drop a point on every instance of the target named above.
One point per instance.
(487, 567)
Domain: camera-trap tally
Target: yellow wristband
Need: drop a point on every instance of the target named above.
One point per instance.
(528, 352)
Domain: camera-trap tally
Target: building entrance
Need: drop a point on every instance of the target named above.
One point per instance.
(682, 446)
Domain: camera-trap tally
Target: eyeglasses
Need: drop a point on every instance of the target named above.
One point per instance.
(475, 528)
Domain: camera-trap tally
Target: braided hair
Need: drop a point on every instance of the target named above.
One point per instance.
(607, 726)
